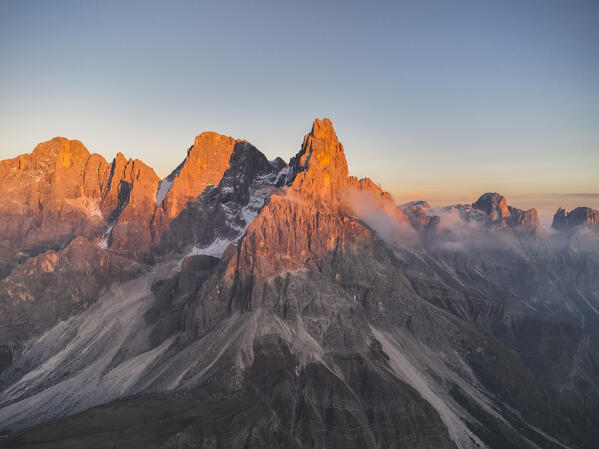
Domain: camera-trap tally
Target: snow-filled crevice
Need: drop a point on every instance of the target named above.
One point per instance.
(163, 188)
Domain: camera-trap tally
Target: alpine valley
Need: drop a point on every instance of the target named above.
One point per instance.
(247, 303)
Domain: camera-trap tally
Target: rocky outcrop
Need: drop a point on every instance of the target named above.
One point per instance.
(272, 295)
(50, 195)
(420, 215)
(316, 215)
(221, 214)
(134, 186)
(55, 284)
(61, 191)
(205, 164)
(583, 217)
(493, 205)
(321, 173)
(492, 210)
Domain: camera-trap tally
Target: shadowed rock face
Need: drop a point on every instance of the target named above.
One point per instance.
(273, 312)
(225, 210)
(583, 217)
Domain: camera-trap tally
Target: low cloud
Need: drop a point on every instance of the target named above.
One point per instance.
(455, 233)
(384, 218)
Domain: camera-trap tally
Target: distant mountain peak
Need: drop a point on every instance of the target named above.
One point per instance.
(585, 217)
(492, 204)
(492, 209)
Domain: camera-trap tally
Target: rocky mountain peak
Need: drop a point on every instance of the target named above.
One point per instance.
(206, 162)
(297, 270)
(492, 204)
(581, 216)
(320, 165)
(61, 149)
(205, 165)
(420, 214)
(492, 209)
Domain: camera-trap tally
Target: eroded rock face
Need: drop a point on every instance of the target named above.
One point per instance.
(306, 325)
(55, 284)
(49, 196)
(61, 191)
(205, 164)
(316, 215)
(79, 223)
(223, 211)
(320, 166)
(583, 217)
(131, 232)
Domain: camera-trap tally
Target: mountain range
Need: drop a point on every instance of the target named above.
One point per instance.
(248, 303)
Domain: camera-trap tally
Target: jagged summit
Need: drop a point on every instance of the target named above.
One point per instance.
(322, 177)
(320, 165)
(493, 204)
(420, 214)
(291, 296)
(206, 162)
(492, 209)
(204, 165)
(585, 217)
(61, 147)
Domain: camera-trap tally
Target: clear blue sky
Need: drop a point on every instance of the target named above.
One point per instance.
(440, 100)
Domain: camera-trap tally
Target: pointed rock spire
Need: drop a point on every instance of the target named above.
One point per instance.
(320, 165)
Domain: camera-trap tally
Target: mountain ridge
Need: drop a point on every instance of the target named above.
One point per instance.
(303, 298)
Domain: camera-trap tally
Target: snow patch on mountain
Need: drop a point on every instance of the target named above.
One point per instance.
(163, 188)
(215, 249)
(104, 243)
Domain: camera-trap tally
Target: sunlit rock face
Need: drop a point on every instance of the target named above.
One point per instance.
(135, 185)
(79, 223)
(318, 213)
(222, 213)
(49, 196)
(493, 205)
(58, 202)
(297, 299)
(61, 190)
(320, 166)
(206, 162)
(583, 217)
